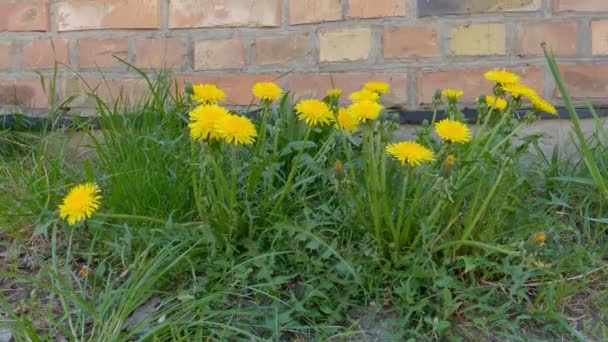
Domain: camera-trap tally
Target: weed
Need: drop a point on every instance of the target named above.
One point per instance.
(305, 220)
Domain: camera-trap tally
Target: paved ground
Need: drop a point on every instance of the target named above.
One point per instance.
(555, 132)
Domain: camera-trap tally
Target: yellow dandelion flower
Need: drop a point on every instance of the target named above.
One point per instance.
(236, 130)
(452, 94)
(410, 152)
(450, 161)
(207, 94)
(496, 102)
(203, 120)
(364, 95)
(314, 112)
(501, 76)
(539, 238)
(543, 106)
(453, 131)
(378, 87)
(365, 110)
(519, 90)
(334, 92)
(80, 203)
(347, 120)
(267, 91)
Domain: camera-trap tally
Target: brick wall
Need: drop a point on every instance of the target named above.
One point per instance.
(416, 45)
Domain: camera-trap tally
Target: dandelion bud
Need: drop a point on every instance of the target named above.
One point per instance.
(539, 238)
(437, 98)
(334, 93)
(84, 271)
(395, 118)
(339, 167)
(449, 161)
(188, 89)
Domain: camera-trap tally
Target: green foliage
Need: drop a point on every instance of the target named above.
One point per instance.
(308, 234)
(143, 155)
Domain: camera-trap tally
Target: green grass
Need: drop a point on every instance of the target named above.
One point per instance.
(310, 234)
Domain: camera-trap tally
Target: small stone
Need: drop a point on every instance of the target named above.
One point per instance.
(5, 335)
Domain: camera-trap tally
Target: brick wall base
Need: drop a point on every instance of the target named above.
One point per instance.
(416, 45)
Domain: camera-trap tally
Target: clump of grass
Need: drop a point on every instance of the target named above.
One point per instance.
(295, 221)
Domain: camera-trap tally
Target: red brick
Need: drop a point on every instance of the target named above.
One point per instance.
(585, 80)
(376, 8)
(219, 54)
(24, 15)
(94, 53)
(43, 53)
(6, 54)
(282, 49)
(410, 41)
(228, 13)
(314, 11)
(561, 37)
(315, 85)
(27, 93)
(237, 87)
(159, 53)
(75, 15)
(599, 37)
(471, 81)
(581, 5)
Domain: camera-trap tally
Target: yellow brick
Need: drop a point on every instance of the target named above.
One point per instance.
(599, 37)
(345, 45)
(478, 39)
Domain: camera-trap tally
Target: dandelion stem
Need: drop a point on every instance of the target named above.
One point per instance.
(261, 143)
(430, 222)
(234, 174)
(382, 157)
(292, 174)
(493, 133)
(486, 146)
(275, 153)
(401, 206)
(132, 218)
(408, 219)
(259, 152)
(195, 187)
(351, 169)
(475, 244)
(372, 179)
(219, 174)
(384, 202)
(484, 206)
(507, 138)
(234, 211)
(479, 114)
